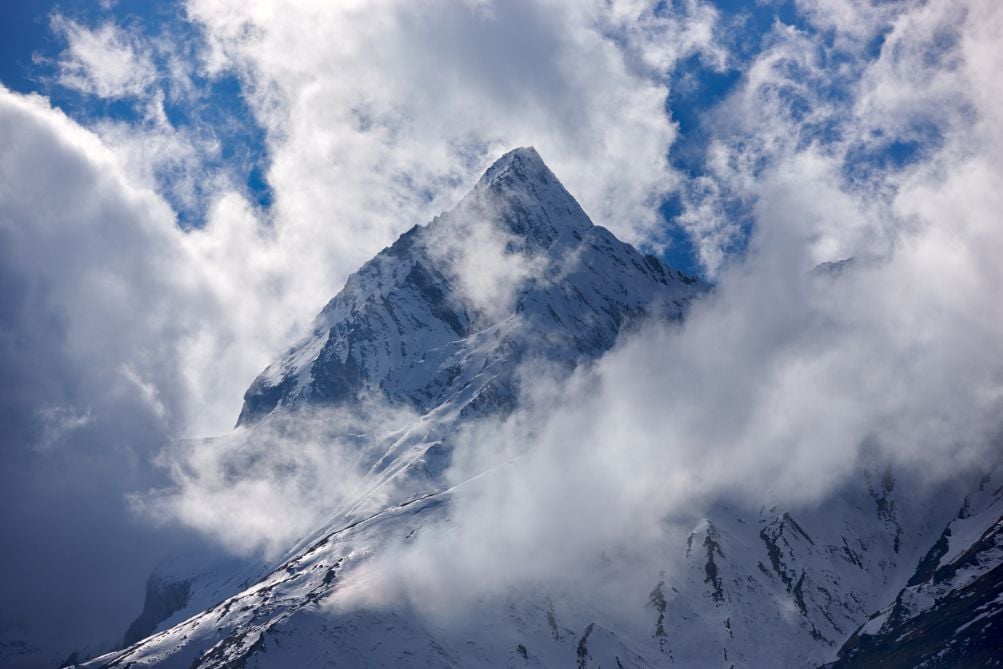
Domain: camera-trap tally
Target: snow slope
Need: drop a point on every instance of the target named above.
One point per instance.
(950, 614)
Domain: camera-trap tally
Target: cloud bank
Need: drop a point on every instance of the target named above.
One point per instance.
(792, 377)
(127, 327)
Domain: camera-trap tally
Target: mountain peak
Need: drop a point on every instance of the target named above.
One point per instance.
(524, 198)
(523, 161)
(408, 325)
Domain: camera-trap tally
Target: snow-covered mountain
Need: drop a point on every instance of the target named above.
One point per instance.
(409, 327)
(445, 323)
(950, 614)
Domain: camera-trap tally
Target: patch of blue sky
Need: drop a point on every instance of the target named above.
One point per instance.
(916, 136)
(697, 88)
(681, 251)
(216, 109)
(25, 31)
(29, 51)
(871, 160)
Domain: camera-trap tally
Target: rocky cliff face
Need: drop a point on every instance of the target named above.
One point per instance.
(950, 614)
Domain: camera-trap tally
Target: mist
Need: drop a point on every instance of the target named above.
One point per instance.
(860, 330)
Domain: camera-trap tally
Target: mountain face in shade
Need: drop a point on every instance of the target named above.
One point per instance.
(950, 614)
(447, 323)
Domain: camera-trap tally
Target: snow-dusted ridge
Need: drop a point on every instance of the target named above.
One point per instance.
(759, 586)
(406, 323)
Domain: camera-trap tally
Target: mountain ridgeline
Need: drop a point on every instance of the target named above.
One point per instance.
(443, 322)
(404, 327)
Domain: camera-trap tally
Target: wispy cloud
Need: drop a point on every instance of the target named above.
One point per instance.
(788, 381)
(259, 490)
(106, 60)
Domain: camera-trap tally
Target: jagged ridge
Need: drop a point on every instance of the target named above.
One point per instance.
(403, 329)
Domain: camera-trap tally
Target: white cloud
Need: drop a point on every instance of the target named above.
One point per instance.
(488, 275)
(380, 117)
(778, 387)
(260, 490)
(106, 61)
(377, 118)
(121, 333)
(94, 311)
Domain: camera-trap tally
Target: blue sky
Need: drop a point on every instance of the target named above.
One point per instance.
(31, 50)
(32, 46)
(200, 178)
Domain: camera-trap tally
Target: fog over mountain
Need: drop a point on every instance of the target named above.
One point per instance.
(440, 479)
(502, 334)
